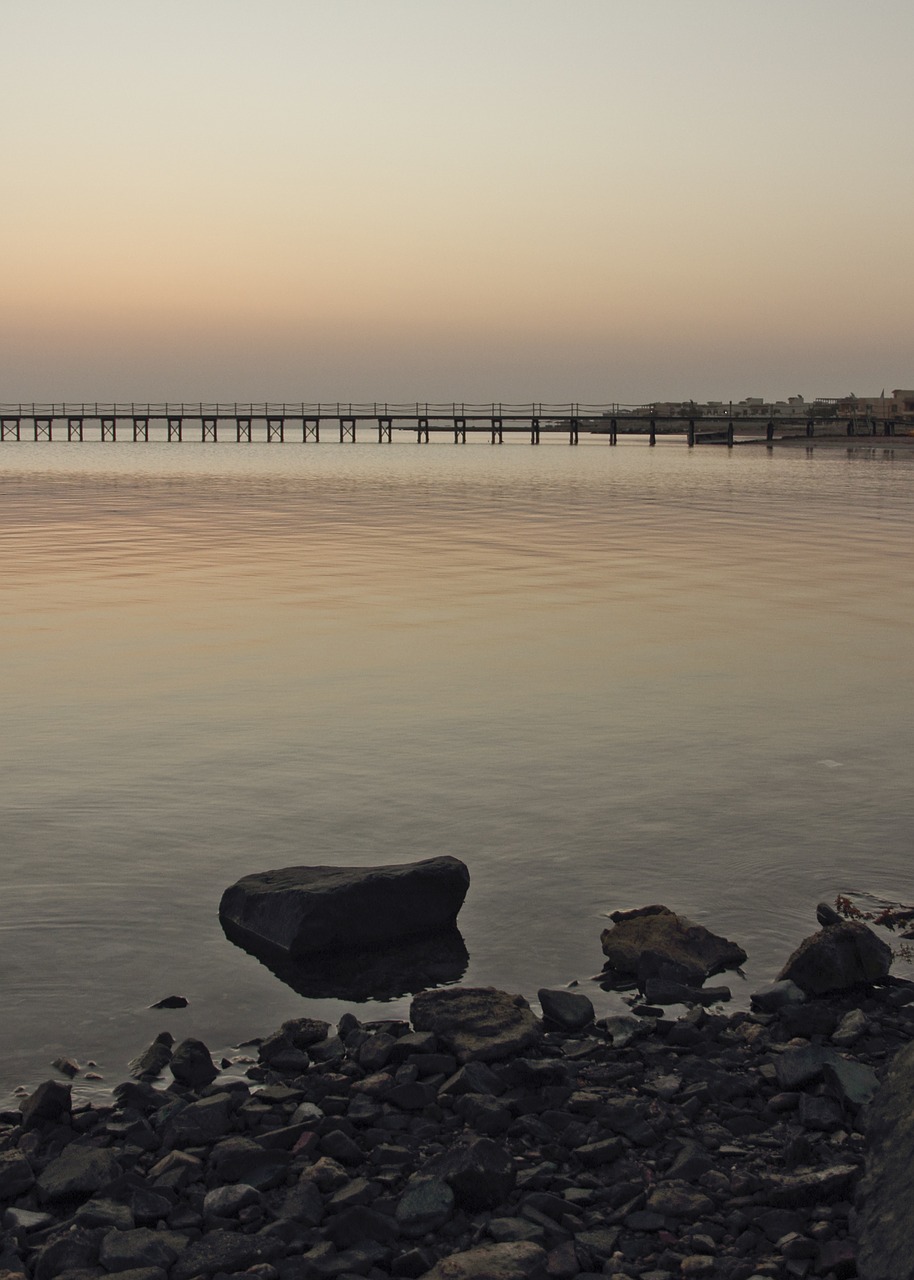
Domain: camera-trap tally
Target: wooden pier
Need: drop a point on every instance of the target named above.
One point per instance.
(351, 423)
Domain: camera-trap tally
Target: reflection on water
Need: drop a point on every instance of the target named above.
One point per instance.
(387, 973)
(601, 677)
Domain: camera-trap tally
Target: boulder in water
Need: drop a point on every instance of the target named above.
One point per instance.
(680, 950)
(842, 955)
(301, 911)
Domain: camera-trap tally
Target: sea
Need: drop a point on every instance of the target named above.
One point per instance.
(601, 676)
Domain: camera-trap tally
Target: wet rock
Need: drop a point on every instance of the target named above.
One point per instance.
(66, 1066)
(567, 1010)
(676, 939)
(514, 1261)
(49, 1104)
(192, 1065)
(155, 1058)
(477, 1022)
(171, 1002)
(886, 1246)
(304, 910)
(840, 956)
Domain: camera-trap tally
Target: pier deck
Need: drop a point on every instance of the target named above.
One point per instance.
(275, 423)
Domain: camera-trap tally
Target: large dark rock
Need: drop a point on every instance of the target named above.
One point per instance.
(886, 1225)
(842, 955)
(302, 911)
(690, 950)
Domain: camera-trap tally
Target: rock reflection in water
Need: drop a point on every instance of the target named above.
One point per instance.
(383, 974)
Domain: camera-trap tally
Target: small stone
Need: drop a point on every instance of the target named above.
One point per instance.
(849, 1030)
(191, 1064)
(566, 1009)
(66, 1066)
(170, 1002)
(776, 995)
(228, 1201)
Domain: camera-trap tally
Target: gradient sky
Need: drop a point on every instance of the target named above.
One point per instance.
(475, 199)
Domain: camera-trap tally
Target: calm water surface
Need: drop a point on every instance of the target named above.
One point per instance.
(602, 677)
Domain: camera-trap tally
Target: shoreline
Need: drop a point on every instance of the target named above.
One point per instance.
(701, 1145)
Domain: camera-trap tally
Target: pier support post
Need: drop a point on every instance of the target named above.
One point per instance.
(652, 439)
(769, 431)
(422, 431)
(43, 428)
(310, 430)
(141, 429)
(534, 430)
(613, 431)
(573, 426)
(9, 429)
(347, 430)
(74, 429)
(888, 428)
(109, 428)
(690, 435)
(810, 429)
(243, 430)
(175, 429)
(276, 430)
(497, 431)
(730, 434)
(460, 431)
(385, 429)
(209, 428)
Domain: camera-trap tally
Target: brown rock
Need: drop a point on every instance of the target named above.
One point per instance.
(689, 947)
(477, 1022)
(518, 1260)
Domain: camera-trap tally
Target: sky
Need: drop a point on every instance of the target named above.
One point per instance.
(514, 200)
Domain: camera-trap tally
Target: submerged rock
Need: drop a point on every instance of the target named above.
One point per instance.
(679, 950)
(301, 911)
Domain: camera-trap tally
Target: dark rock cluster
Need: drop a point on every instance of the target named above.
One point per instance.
(480, 1142)
(652, 1147)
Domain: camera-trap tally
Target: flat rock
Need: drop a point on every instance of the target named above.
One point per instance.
(480, 1173)
(78, 1171)
(518, 1260)
(302, 911)
(691, 951)
(224, 1251)
(477, 1022)
(847, 954)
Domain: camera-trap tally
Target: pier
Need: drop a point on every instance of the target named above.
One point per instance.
(350, 423)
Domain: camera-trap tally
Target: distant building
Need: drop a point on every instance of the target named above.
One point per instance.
(895, 407)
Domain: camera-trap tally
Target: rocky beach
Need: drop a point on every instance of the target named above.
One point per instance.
(480, 1140)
